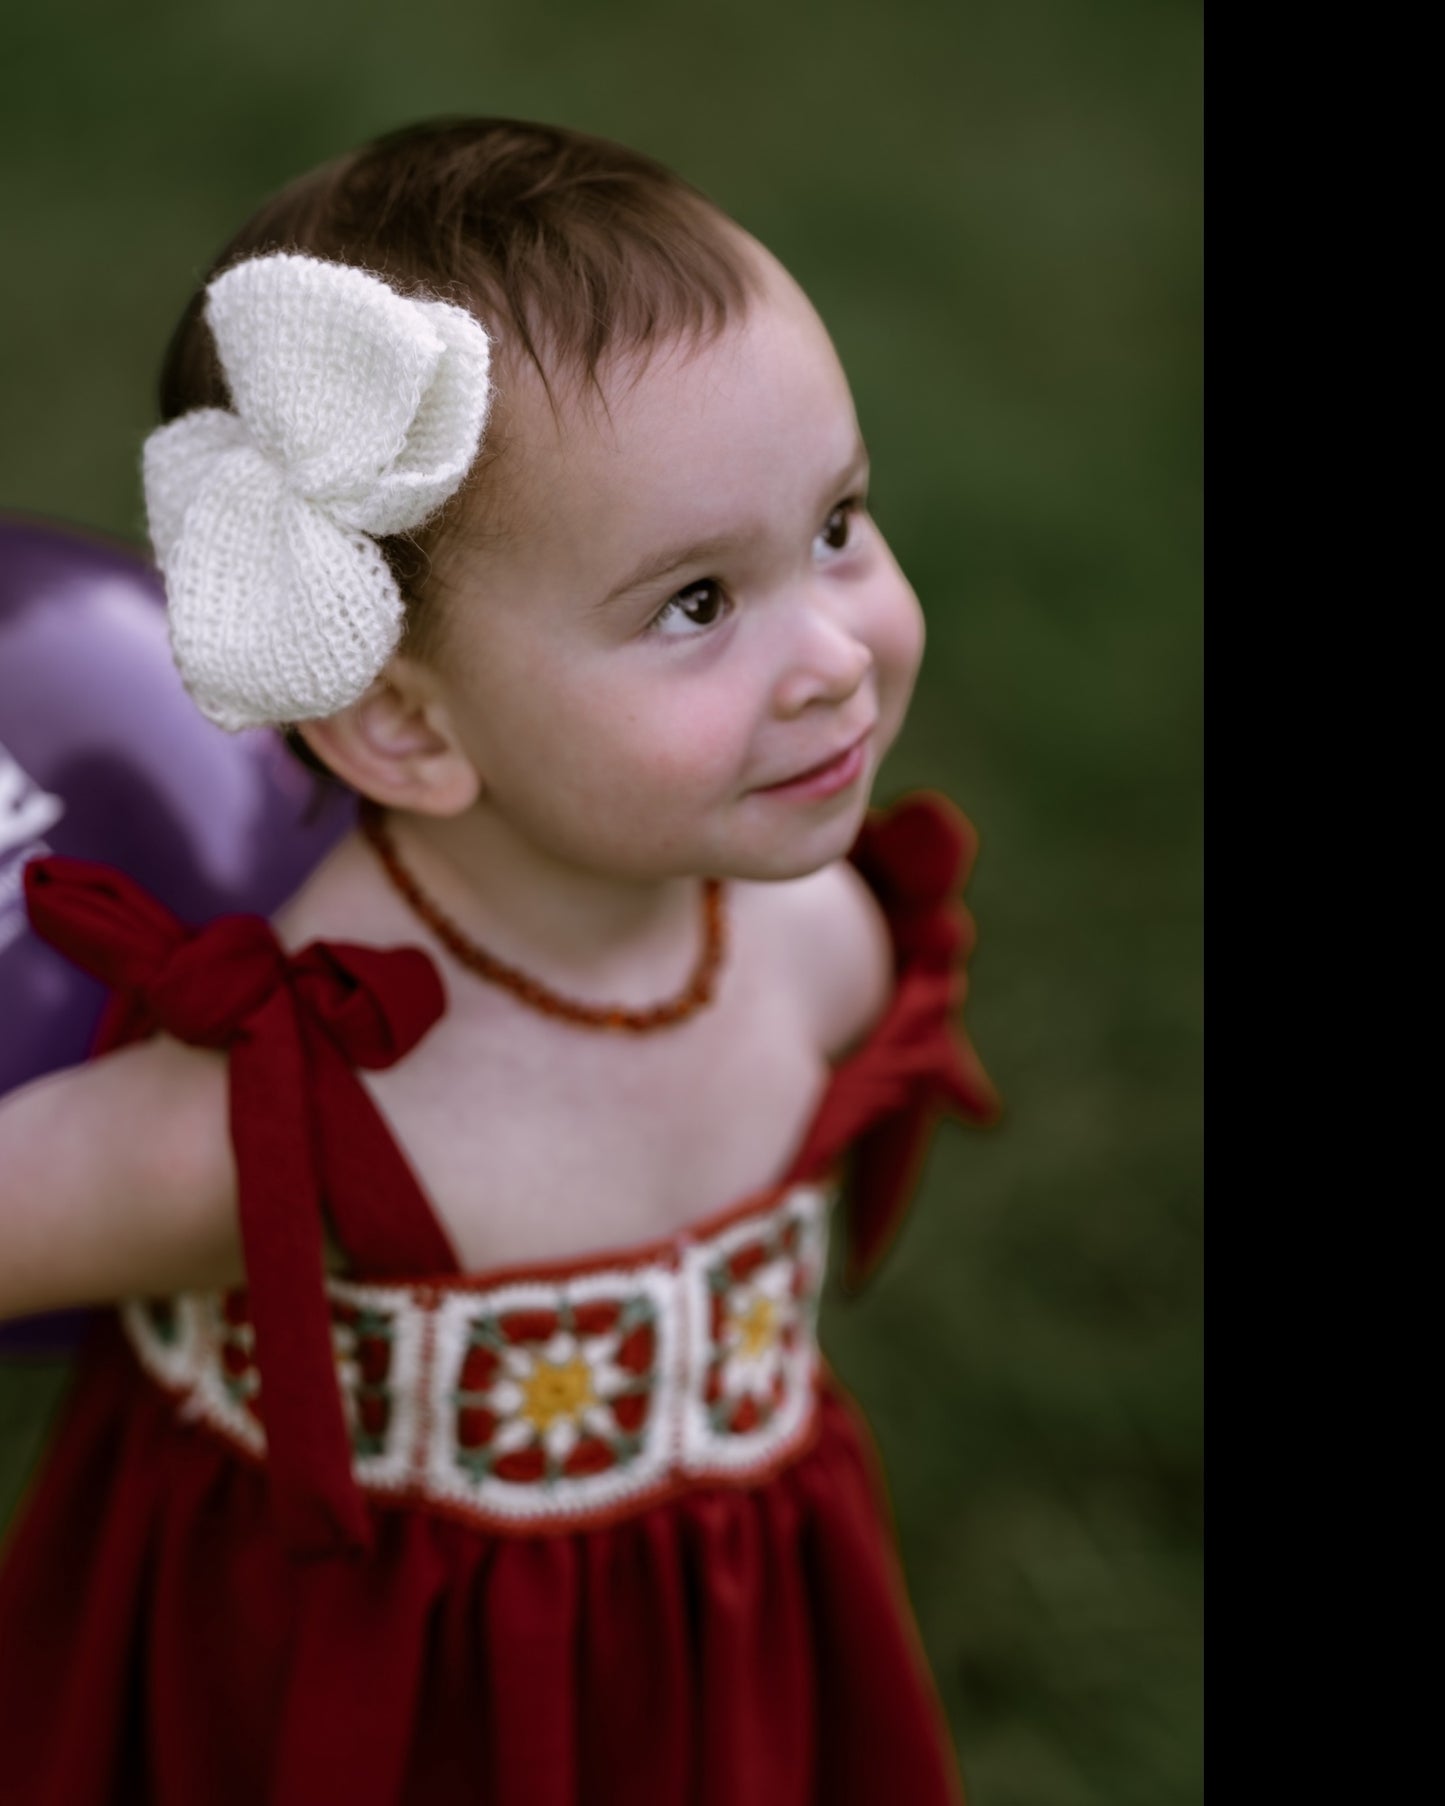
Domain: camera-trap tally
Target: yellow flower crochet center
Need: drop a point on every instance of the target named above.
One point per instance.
(759, 1326)
(556, 1389)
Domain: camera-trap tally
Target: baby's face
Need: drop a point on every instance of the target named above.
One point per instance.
(696, 648)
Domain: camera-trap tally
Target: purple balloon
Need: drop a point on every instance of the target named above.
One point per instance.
(103, 755)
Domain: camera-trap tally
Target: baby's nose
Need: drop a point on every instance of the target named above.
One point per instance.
(830, 663)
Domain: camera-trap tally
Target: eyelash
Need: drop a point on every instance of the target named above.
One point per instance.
(850, 509)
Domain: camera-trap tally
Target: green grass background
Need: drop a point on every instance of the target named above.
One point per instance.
(996, 209)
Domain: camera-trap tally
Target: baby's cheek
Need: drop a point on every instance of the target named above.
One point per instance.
(898, 649)
(693, 749)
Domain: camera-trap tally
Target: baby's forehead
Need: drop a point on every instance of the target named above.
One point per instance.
(655, 423)
(555, 398)
(554, 433)
(568, 423)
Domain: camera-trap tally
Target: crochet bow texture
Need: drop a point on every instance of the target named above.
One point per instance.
(357, 412)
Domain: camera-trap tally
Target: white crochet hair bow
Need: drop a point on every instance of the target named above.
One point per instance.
(358, 412)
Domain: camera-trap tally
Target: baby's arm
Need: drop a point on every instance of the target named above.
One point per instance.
(117, 1178)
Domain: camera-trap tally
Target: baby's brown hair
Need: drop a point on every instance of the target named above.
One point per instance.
(570, 249)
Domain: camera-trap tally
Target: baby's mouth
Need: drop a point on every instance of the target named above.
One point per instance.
(838, 764)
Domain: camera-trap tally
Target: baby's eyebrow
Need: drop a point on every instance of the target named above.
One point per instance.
(669, 561)
(675, 558)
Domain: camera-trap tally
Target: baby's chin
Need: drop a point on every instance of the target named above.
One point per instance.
(803, 842)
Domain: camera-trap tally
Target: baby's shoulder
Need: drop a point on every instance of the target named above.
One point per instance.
(831, 938)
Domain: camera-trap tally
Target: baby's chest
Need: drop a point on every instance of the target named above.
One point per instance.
(542, 1143)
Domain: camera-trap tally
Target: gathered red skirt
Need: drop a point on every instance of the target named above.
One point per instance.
(739, 1645)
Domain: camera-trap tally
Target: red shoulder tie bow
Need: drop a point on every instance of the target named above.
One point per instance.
(295, 1025)
(918, 1062)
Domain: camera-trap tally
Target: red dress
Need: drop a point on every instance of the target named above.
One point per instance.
(601, 1531)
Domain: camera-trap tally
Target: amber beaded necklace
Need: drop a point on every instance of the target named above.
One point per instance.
(697, 992)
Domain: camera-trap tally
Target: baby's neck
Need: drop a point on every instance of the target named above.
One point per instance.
(627, 938)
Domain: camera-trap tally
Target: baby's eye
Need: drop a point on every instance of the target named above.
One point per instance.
(701, 605)
(838, 528)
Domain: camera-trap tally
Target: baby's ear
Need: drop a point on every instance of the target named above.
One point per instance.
(395, 744)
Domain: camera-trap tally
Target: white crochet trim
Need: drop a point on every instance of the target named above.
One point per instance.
(443, 1476)
(703, 1450)
(190, 1348)
(358, 412)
